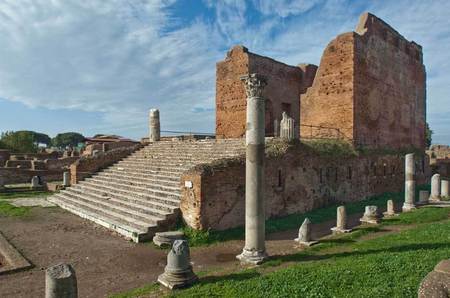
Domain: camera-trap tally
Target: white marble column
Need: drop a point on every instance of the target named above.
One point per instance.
(410, 183)
(254, 251)
(154, 125)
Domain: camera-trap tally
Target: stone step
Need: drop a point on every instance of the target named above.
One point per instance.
(165, 207)
(128, 221)
(144, 170)
(175, 180)
(151, 198)
(130, 232)
(125, 187)
(147, 215)
(112, 172)
(131, 183)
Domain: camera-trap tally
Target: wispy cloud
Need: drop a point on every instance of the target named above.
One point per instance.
(121, 57)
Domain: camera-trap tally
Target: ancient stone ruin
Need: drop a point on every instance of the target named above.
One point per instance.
(146, 188)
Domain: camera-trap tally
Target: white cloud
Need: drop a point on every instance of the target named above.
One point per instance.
(121, 57)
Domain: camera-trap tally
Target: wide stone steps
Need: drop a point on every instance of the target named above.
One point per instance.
(140, 177)
(132, 184)
(140, 194)
(126, 210)
(158, 209)
(117, 225)
(173, 201)
(134, 224)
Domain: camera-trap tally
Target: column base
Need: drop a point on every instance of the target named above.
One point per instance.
(387, 214)
(177, 280)
(252, 257)
(407, 207)
(337, 230)
(434, 199)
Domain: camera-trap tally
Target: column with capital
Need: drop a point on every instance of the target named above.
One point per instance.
(254, 251)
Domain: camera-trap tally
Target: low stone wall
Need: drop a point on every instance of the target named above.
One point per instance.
(88, 165)
(15, 175)
(4, 156)
(53, 164)
(298, 181)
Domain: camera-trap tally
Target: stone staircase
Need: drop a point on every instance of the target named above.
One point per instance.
(140, 194)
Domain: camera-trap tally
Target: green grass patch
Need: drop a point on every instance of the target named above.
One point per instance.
(201, 238)
(388, 266)
(331, 147)
(7, 209)
(24, 194)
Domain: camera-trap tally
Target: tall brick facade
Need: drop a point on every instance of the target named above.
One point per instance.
(285, 84)
(369, 88)
(371, 85)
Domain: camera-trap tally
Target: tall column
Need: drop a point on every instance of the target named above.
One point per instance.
(254, 251)
(444, 189)
(155, 128)
(435, 188)
(410, 183)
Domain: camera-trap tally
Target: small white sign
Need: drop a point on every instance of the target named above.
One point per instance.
(188, 184)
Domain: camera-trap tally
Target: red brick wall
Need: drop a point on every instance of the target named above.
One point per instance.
(298, 182)
(285, 84)
(389, 87)
(371, 86)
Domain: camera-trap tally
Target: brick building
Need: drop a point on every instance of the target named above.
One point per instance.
(369, 89)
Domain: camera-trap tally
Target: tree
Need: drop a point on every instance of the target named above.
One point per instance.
(19, 141)
(428, 135)
(67, 139)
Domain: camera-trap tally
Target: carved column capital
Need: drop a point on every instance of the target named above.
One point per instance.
(254, 84)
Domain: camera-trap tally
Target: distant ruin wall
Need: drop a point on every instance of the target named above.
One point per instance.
(371, 86)
(298, 182)
(89, 165)
(285, 84)
(15, 176)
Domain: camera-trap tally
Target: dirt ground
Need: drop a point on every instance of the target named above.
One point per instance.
(104, 262)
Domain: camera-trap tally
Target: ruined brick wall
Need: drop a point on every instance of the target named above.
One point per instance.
(371, 86)
(285, 84)
(298, 182)
(14, 175)
(389, 87)
(329, 101)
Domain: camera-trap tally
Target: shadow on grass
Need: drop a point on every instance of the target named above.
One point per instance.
(230, 277)
(304, 257)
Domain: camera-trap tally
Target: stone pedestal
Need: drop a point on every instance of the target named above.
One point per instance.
(35, 183)
(390, 211)
(287, 128)
(66, 179)
(424, 196)
(254, 251)
(178, 271)
(341, 222)
(60, 282)
(437, 283)
(167, 238)
(410, 183)
(304, 234)
(435, 188)
(276, 128)
(155, 128)
(371, 215)
(444, 189)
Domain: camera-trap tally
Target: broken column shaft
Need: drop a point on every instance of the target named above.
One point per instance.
(254, 251)
(410, 183)
(155, 128)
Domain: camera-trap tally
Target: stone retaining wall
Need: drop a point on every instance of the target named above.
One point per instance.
(299, 181)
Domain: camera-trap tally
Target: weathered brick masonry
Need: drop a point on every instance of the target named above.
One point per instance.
(285, 84)
(371, 85)
(298, 181)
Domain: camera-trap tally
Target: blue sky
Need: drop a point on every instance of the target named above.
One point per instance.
(97, 66)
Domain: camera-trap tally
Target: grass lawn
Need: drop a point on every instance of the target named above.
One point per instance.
(7, 209)
(389, 260)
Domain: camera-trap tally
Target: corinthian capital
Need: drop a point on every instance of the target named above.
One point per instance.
(254, 84)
